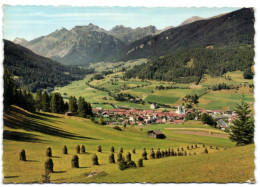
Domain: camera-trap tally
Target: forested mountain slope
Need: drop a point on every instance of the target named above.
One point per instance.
(34, 72)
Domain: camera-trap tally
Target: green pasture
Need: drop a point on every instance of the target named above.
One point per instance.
(36, 132)
(236, 79)
(223, 100)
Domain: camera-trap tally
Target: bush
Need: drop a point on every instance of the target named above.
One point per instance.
(128, 157)
(112, 149)
(152, 155)
(99, 148)
(95, 159)
(77, 149)
(22, 155)
(48, 166)
(75, 161)
(48, 152)
(82, 149)
(121, 150)
(133, 151)
(144, 155)
(111, 158)
(119, 157)
(206, 151)
(248, 74)
(65, 150)
(117, 128)
(140, 163)
(207, 119)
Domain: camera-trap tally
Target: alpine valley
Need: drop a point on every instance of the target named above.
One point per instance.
(172, 105)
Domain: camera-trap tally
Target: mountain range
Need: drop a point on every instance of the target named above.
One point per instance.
(198, 45)
(84, 44)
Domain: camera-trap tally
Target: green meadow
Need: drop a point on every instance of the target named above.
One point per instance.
(36, 132)
(146, 90)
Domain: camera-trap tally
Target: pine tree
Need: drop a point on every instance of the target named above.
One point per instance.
(82, 107)
(45, 101)
(9, 87)
(61, 108)
(73, 107)
(54, 103)
(242, 130)
(38, 100)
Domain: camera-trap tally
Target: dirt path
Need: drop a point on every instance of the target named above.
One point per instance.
(201, 129)
(199, 133)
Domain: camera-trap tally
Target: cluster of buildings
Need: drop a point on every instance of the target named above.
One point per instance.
(143, 117)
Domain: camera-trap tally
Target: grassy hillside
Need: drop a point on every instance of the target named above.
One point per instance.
(36, 132)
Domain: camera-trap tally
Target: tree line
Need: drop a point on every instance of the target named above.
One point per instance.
(14, 95)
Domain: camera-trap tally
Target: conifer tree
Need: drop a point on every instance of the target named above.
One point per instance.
(38, 100)
(82, 107)
(242, 130)
(73, 107)
(45, 101)
(54, 103)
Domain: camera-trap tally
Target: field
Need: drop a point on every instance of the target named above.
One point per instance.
(146, 90)
(36, 132)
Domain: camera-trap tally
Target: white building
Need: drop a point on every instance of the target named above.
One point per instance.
(180, 110)
(153, 106)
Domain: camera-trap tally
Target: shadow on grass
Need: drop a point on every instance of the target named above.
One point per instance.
(32, 161)
(59, 171)
(21, 136)
(10, 177)
(37, 123)
(56, 157)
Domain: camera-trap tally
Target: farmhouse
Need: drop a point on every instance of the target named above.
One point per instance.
(156, 134)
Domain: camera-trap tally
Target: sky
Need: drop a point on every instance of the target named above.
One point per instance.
(30, 22)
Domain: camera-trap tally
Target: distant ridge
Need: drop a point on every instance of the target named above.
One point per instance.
(84, 44)
(235, 28)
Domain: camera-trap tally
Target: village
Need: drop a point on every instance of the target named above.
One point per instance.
(154, 116)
